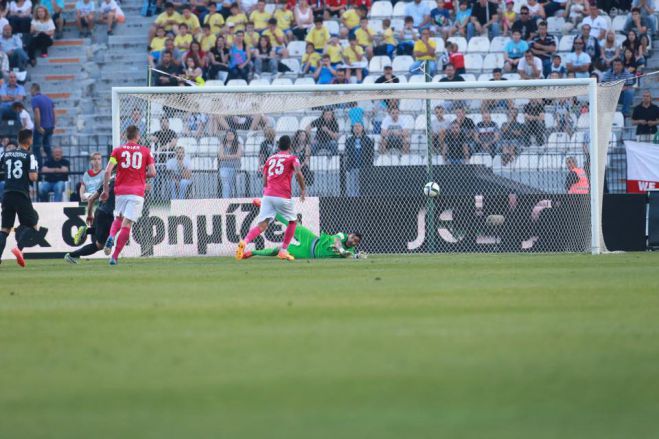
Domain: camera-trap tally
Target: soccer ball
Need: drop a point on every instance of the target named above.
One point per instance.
(431, 189)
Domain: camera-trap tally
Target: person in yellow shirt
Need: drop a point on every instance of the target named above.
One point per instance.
(350, 18)
(227, 33)
(318, 35)
(169, 19)
(260, 16)
(310, 59)
(334, 49)
(277, 38)
(424, 50)
(206, 38)
(365, 37)
(251, 36)
(353, 57)
(284, 17)
(158, 42)
(190, 20)
(388, 42)
(183, 39)
(237, 17)
(214, 19)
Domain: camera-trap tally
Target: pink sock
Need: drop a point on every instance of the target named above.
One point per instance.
(288, 234)
(122, 239)
(253, 233)
(116, 225)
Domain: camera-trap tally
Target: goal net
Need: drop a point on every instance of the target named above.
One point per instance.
(519, 164)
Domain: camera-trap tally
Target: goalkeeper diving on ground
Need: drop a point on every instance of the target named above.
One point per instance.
(308, 245)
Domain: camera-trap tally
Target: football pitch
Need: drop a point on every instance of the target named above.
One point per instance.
(455, 346)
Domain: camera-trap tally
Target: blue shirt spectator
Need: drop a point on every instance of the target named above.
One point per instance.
(516, 49)
(46, 109)
(420, 13)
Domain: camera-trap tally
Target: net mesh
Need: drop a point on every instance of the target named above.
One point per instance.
(498, 155)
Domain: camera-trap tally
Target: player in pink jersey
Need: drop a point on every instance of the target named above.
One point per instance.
(134, 164)
(277, 174)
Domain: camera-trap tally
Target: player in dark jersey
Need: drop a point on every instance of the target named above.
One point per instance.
(102, 222)
(20, 169)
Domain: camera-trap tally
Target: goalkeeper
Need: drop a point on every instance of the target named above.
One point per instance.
(311, 246)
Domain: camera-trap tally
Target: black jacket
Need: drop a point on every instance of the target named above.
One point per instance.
(366, 154)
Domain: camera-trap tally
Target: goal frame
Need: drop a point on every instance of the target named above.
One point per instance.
(591, 83)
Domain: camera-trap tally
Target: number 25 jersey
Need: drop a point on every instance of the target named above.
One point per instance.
(131, 160)
(279, 169)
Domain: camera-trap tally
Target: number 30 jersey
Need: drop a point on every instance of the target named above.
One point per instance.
(279, 169)
(131, 160)
(16, 166)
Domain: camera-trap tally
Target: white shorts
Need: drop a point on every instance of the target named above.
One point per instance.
(271, 206)
(128, 206)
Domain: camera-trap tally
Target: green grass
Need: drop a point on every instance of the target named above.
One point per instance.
(455, 346)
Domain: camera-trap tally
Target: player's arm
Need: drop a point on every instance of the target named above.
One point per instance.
(338, 247)
(106, 178)
(300, 179)
(151, 171)
(34, 169)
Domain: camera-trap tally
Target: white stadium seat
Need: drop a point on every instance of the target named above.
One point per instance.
(565, 45)
(296, 48)
(332, 27)
(478, 45)
(282, 81)
(473, 62)
(498, 43)
(304, 81)
(558, 141)
(287, 124)
(469, 77)
(402, 63)
(382, 9)
(484, 77)
(618, 120)
(492, 61)
(176, 125)
(260, 81)
(214, 83)
(555, 25)
(236, 82)
(460, 41)
(189, 143)
(411, 105)
(378, 63)
(440, 44)
(399, 9)
(292, 64)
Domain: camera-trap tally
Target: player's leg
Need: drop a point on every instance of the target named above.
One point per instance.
(8, 217)
(266, 213)
(132, 212)
(265, 252)
(101, 227)
(304, 237)
(285, 209)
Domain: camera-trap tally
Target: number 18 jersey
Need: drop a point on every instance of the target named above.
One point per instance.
(279, 169)
(131, 160)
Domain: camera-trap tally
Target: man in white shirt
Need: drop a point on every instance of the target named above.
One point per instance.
(578, 62)
(395, 132)
(420, 13)
(598, 24)
(530, 67)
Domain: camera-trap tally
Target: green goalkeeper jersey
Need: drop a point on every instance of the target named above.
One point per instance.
(325, 246)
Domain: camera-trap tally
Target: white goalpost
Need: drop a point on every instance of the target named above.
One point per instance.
(498, 151)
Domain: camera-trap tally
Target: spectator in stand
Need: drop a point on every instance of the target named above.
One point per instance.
(509, 16)
(260, 16)
(534, 122)
(647, 11)
(553, 6)
(350, 20)
(387, 44)
(630, 62)
(576, 181)
(55, 172)
(609, 50)
(511, 134)
(335, 51)
(355, 113)
(575, 10)
(218, 60)
(536, 10)
(181, 176)
(251, 36)
(214, 19)
(265, 58)
(637, 23)
(395, 132)
(462, 18)
(164, 141)
(92, 179)
(206, 40)
(487, 134)
(544, 46)
(420, 13)
(514, 51)
(284, 16)
(12, 46)
(484, 20)
(177, 55)
(633, 43)
(406, 38)
(156, 46)
(424, 55)
(23, 116)
(578, 62)
(646, 118)
(318, 35)
(334, 8)
(450, 75)
(183, 38)
(86, 17)
(136, 118)
(619, 73)
(557, 66)
(466, 124)
(530, 67)
(301, 147)
(440, 19)
(304, 19)
(43, 31)
(359, 159)
(193, 73)
(591, 44)
(239, 59)
(268, 146)
(598, 24)
(310, 59)
(170, 71)
(239, 122)
(365, 37)
(277, 37)
(354, 59)
(237, 19)
(325, 73)
(110, 14)
(10, 92)
(387, 76)
(455, 149)
(327, 133)
(456, 58)
(439, 125)
(248, 6)
(340, 77)
(55, 8)
(20, 15)
(229, 155)
(170, 19)
(43, 109)
(525, 25)
(190, 20)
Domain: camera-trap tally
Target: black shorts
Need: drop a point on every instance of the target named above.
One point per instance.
(17, 203)
(102, 224)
